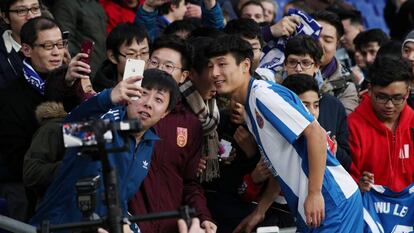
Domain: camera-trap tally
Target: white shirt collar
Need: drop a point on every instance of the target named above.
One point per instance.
(9, 42)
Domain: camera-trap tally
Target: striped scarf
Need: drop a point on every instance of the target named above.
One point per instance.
(33, 78)
(208, 114)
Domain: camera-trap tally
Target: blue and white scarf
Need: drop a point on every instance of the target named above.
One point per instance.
(273, 52)
(33, 78)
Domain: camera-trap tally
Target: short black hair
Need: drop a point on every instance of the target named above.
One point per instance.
(207, 32)
(247, 28)
(236, 46)
(185, 25)
(332, 19)
(177, 44)
(31, 29)
(300, 83)
(388, 69)
(390, 48)
(165, 8)
(199, 59)
(354, 16)
(372, 35)
(161, 80)
(303, 45)
(125, 33)
(5, 6)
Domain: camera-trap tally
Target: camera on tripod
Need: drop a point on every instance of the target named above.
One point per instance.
(83, 134)
(86, 196)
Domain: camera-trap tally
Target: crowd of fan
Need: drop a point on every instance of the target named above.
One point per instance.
(355, 82)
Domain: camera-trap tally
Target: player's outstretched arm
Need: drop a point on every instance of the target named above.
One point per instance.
(257, 216)
(314, 203)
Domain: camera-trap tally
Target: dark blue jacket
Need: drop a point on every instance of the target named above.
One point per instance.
(156, 24)
(59, 204)
(333, 118)
(11, 64)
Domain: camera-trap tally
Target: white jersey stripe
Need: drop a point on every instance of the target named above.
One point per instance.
(277, 118)
(344, 180)
(371, 223)
(282, 110)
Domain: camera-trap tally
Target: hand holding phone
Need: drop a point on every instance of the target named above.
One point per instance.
(134, 67)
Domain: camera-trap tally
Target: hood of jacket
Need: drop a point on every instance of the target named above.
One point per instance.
(49, 110)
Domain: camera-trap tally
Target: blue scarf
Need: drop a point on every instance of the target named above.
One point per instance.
(33, 78)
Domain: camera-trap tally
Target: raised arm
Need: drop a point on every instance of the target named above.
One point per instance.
(104, 101)
(212, 15)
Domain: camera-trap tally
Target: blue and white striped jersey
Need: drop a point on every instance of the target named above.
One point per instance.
(276, 117)
(388, 211)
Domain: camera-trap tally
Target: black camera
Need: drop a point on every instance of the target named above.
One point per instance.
(86, 196)
(83, 134)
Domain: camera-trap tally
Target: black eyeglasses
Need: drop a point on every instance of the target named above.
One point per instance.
(396, 99)
(167, 67)
(135, 55)
(305, 64)
(50, 45)
(25, 11)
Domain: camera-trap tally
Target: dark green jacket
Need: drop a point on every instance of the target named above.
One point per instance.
(46, 151)
(84, 19)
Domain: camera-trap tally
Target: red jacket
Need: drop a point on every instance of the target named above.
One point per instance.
(376, 149)
(171, 180)
(117, 14)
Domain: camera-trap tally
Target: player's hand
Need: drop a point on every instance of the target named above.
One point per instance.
(250, 222)
(246, 141)
(286, 26)
(125, 90)
(366, 181)
(195, 226)
(261, 172)
(77, 69)
(209, 227)
(314, 209)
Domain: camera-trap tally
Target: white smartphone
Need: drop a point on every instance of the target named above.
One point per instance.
(134, 67)
(273, 229)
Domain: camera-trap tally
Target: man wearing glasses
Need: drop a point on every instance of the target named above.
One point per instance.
(125, 41)
(15, 13)
(42, 78)
(381, 128)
